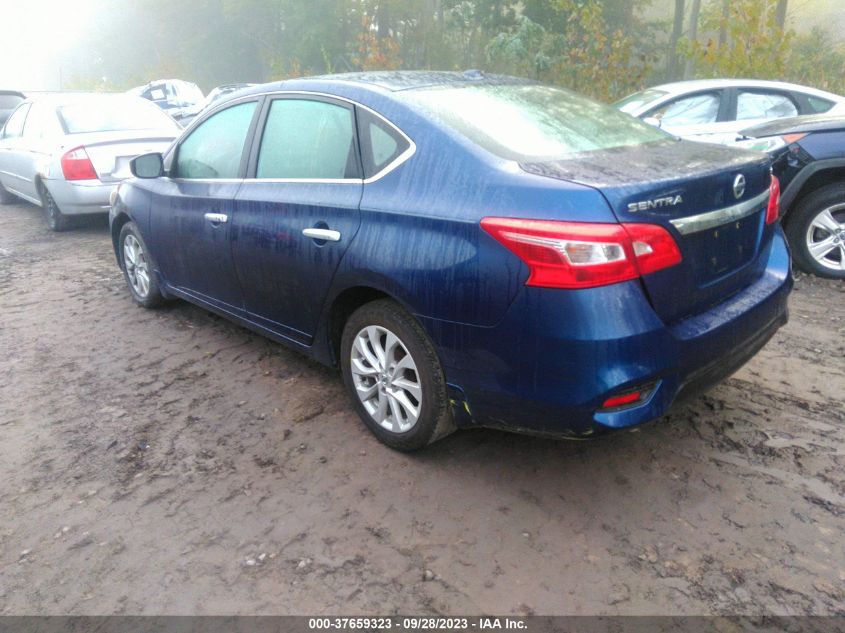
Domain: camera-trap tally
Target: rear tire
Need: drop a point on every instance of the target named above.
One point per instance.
(394, 377)
(816, 232)
(56, 220)
(138, 267)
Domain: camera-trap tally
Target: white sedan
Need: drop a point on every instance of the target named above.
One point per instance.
(715, 110)
(66, 152)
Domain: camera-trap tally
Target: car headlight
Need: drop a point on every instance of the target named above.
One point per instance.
(768, 145)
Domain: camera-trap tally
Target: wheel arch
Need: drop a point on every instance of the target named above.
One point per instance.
(341, 308)
(39, 188)
(810, 180)
(117, 225)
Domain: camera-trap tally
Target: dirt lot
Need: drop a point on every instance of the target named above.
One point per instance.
(171, 462)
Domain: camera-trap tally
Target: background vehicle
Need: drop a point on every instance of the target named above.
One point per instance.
(174, 96)
(188, 114)
(66, 152)
(809, 160)
(9, 100)
(461, 271)
(715, 110)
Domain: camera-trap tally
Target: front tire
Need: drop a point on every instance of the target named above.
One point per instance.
(394, 377)
(56, 220)
(816, 232)
(138, 267)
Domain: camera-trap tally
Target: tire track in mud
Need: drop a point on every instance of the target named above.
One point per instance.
(170, 461)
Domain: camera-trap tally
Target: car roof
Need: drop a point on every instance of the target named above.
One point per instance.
(392, 81)
(694, 85)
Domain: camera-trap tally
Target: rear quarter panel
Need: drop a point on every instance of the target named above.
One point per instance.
(420, 239)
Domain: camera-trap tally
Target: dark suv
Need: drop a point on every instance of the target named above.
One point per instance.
(809, 160)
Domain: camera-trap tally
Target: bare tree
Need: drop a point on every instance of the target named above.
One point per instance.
(780, 13)
(695, 11)
(723, 25)
(677, 28)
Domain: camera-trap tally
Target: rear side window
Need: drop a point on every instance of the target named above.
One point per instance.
(14, 125)
(215, 148)
(696, 109)
(764, 105)
(305, 139)
(532, 122)
(381, 143)
(818, 105)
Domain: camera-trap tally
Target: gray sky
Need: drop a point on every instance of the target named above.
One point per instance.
(35, 33)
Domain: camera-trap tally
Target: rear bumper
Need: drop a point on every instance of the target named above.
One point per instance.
(557, 356)
(80, 198)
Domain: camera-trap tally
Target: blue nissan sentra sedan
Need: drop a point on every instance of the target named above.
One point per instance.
(470, 250)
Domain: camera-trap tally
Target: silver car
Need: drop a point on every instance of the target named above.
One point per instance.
(66, 153)
(715, 110)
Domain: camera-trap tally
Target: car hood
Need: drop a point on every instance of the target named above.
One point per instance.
(797, 125)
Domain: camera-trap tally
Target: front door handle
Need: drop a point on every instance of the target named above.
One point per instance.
(322, 234)
(217, 218)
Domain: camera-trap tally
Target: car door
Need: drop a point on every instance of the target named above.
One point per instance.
(11, 145)
(298, 212)
(32, 151)
(191, 208)
(755, 105)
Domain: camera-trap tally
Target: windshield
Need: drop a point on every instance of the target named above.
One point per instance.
(531, 123)
(633, 103)
(112, 114)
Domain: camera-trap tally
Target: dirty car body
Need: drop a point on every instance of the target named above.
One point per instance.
(511, 219)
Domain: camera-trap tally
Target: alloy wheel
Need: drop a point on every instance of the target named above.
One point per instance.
(136, 266)
(386, 379)
(826, 237)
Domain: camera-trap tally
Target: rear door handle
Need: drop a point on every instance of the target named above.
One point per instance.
(217, 218)
(322, 234)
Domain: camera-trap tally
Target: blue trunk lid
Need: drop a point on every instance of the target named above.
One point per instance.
(711, 198)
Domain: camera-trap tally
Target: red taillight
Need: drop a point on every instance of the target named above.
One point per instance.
(77, 166)
(621, 401)
(773, 211)
(582, 254)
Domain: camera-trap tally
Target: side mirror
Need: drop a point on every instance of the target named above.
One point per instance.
(147, 166)
(653, 121)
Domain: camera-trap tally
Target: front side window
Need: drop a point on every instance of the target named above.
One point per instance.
(763, 105)
(693, 110)
(532, 122)
(306, 139)
(215, 148)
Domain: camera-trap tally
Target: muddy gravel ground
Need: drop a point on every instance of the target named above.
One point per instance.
(169, 462)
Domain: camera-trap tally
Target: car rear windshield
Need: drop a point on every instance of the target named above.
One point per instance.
(533, 123)
(7, 101)
(110, 115)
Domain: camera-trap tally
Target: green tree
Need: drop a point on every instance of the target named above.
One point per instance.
(751, 42)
